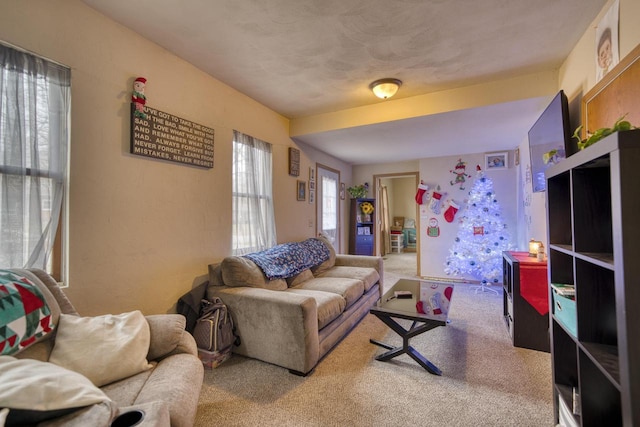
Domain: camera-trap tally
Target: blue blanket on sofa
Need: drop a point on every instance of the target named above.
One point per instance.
(289, 259)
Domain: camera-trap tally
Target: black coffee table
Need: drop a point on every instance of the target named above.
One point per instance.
(390, 307)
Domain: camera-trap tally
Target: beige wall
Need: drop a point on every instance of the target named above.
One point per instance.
(401, 193)
(577, 75)
(437, 172)
(405, 204)
(142, 230)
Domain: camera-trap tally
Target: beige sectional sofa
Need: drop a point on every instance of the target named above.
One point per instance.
(294, 322)
(166, 390)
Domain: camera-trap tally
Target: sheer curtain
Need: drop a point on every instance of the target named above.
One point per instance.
(330, 209)
(254, 226)
(35, 96)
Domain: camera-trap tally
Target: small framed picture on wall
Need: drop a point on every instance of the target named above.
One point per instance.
(495, 161)
(342, 190)
(301, 190)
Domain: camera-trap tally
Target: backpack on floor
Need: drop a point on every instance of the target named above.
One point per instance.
(214, 333)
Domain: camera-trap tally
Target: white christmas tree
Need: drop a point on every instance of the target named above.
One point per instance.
(482, 236)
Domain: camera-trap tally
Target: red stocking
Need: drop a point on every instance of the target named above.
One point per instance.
(451, 211)
(422, 189)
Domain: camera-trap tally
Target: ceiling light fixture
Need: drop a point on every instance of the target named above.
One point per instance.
(385, 88)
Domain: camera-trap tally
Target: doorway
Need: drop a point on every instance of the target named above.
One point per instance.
(399, 221)
(327, 205)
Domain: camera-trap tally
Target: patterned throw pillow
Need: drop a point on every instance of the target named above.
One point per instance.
(24, 314)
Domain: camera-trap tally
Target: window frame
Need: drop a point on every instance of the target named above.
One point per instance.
(57, 263)
(261, 216)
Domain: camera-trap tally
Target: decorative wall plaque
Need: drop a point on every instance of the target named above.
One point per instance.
(167, 137)
(294, 161)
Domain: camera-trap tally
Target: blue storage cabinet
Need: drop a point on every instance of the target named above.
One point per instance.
(362, 228)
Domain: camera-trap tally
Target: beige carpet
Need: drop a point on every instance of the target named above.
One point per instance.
(485, 381)
(404, 263)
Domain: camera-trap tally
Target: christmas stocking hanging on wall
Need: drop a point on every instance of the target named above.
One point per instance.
(451, 211)
(434, 204)
(422, 192)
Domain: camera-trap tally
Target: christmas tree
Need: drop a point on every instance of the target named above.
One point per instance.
(482, 236)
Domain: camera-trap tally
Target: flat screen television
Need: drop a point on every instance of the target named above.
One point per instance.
(549, 139)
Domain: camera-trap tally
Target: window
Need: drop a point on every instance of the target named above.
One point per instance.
(35, 97)
(254, 226)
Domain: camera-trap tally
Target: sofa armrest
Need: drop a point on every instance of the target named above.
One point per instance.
(363, 261)
(168, 336)
(278, 327)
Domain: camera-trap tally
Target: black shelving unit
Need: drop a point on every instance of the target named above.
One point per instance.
(362, 228)
(593, 214)
(527, 327)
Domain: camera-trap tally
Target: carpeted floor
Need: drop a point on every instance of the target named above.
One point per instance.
(485, 381)
(404, 263)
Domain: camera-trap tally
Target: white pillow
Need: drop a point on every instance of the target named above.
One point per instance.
(103, 348)
(42, 386)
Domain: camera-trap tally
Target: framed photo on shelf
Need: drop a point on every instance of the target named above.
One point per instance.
(495, 161)
(301, 193)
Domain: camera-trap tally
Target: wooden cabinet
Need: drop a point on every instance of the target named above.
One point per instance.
(525, 300)
(362, 227)
(593, 202)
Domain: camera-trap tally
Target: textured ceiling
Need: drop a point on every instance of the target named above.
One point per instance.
(307, 57)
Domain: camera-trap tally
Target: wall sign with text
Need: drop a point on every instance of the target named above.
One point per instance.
(167, 137)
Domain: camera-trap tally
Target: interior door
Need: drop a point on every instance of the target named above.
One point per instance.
(328, 203)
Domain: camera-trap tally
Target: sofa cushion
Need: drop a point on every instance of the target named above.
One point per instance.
(241, 271)
(326, 265)
(349, 289)
(215, 275)
(166, 332)
(330, 305)
(369, 276)
(25, 317)
(103, 348)
(35, 391)
(302, 277)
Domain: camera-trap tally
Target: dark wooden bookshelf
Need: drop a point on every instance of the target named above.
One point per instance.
(593, 206)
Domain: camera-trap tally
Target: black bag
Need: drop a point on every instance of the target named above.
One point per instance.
(214, 330)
